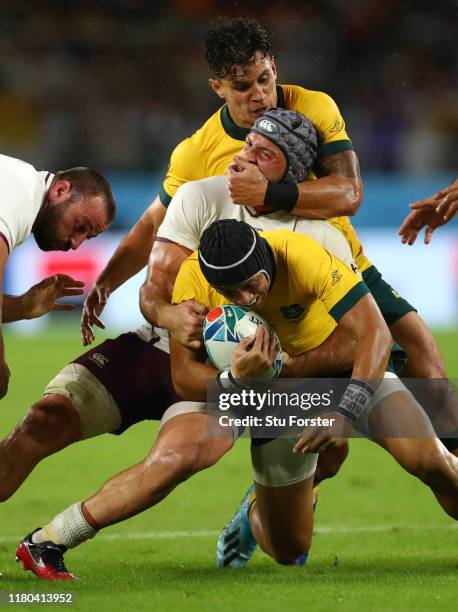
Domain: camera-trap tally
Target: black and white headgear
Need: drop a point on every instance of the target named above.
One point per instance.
(295, 135)
(231, 252)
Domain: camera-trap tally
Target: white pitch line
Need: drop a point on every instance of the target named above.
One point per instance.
(331, 530)
(152, 535)
(374, 528)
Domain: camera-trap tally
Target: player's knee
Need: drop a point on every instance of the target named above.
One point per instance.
(51, 418)
(289, 547)
(185, 458)
(180, 461)
(292, 553)
(330, 462)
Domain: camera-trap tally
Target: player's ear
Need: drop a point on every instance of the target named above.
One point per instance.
(60, 190)
(217, 87)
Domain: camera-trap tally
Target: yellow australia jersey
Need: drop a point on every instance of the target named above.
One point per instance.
(209, 151)
(312, 290)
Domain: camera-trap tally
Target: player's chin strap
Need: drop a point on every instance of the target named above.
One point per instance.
(356, 398)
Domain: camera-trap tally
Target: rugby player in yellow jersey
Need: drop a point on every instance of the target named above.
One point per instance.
(266, 273)
(240, 55)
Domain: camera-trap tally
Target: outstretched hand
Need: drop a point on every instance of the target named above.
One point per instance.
(92, 308)
(42, 297)
(430, 213)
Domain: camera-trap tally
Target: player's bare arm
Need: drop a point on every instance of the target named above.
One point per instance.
(4, 370)
(334, 356)
(338, 190)
(41, 298)
(365, 323)
(190, 374)
(430, 213)
(129, 258)
(269, 172)
(184, 321)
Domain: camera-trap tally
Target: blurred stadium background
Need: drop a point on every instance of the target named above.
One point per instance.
(116, 84)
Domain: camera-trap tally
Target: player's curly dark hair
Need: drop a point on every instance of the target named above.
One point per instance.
(233, 42)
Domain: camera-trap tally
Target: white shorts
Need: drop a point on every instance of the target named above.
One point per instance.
(94, 404)
(389, 385)
(275, 464)
(187, 407)
(182, 408)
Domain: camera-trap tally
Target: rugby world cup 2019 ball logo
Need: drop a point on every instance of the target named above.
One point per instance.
(225, 326)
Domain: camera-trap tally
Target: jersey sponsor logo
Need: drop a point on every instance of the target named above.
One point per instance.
(354, 267)
(395, 293)
(336, 276)
(267, 125)
(336, 127)
(293, 312)
(99, 359)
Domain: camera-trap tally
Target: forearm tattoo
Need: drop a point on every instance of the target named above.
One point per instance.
(344, 163)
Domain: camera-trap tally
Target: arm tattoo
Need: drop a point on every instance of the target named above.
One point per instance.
(344, 163)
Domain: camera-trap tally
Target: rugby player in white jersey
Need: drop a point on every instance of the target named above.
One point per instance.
(61, 211)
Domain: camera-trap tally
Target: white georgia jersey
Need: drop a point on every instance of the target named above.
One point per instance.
(197, 204)
(22, 191)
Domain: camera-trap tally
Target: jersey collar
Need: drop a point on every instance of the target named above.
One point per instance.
(48, 178)
(240, 133)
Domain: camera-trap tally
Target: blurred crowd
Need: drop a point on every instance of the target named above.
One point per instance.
(117, 83)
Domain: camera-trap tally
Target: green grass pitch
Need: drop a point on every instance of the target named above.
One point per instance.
(381, 543)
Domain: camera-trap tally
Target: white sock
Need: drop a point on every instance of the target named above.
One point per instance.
(69, 528)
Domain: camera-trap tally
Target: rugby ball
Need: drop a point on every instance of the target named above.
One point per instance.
(225, 326)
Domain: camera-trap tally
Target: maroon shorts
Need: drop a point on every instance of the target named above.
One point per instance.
(136, 373)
